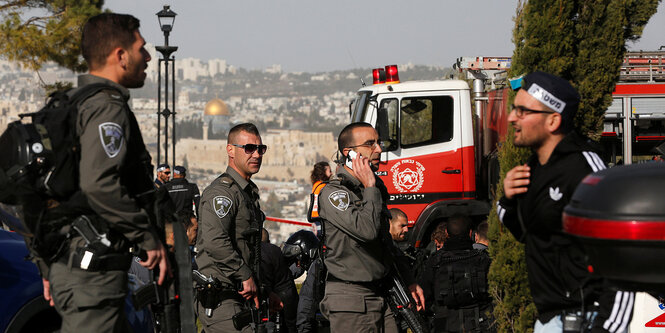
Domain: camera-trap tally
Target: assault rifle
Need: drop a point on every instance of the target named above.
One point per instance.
(164, 308)
(259, 317)
(403, 306)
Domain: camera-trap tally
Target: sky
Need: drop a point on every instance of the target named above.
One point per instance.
(318, 36)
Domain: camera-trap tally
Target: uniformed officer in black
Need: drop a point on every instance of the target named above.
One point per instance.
(359, 249)
(229, 212)
(114, 168)
(184, 194)
(163, 175)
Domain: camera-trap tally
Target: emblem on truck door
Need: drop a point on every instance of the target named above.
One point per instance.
(408, 175)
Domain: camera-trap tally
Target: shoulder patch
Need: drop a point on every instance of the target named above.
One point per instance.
(339, 199)
(111, 137)
(222, 205)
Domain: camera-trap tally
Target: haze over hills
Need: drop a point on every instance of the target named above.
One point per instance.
(298, 114)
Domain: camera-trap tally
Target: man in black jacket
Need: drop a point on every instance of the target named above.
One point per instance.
(185, 195)
(535, 195)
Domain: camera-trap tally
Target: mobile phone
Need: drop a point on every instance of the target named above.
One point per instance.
(349, 158)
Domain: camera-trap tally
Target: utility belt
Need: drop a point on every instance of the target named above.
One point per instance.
(380, 286)
(210, 292)
(98, 253)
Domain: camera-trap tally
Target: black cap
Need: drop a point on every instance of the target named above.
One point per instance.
(163, 167)
(554, 92)
(179, 170)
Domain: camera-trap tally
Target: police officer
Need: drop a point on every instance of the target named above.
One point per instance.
(302, 253)
(359, 255)
(534, 197)
(114, 169)
(184, 194)
(163, 175)
(229, 228)
(454, 281)
(398, 225)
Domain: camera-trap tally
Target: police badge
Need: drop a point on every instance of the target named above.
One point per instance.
(221, 205)
(111, 136)
(339, 199)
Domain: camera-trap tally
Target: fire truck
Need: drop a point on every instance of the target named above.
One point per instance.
(441, 137)
(439, 152)
(635, 121)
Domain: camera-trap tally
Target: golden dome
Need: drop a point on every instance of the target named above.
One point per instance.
(216, 107)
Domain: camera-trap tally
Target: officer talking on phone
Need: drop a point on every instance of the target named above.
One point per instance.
(359, 251)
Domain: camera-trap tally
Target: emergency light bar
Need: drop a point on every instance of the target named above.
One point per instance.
(391, 74)
(379, 75)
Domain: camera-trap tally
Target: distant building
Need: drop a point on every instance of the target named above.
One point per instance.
(216, 113)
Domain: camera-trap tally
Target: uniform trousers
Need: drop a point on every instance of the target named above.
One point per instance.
(222, 317)
(354, 307)
(89, 301)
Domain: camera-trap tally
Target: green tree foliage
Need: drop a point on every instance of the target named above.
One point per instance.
(584, 42)
(34, 32)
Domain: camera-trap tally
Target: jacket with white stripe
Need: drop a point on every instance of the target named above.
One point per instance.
(555, 262)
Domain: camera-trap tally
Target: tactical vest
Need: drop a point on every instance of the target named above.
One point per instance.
(461, 291)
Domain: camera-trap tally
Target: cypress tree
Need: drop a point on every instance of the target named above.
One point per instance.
(582, 41)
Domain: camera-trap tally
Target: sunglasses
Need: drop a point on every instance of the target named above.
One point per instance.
(250, 148)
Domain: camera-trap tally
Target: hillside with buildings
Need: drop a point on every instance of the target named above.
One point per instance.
(298, 114)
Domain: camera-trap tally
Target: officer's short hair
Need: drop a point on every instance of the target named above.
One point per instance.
(244, 127)
(481, 230)
(396, 213)
(345, 138)
(458, 225)
(105, 32)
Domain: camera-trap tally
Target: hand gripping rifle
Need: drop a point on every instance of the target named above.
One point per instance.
(403, 306)
(261, 315)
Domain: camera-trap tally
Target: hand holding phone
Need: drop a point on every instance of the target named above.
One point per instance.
(349, 158)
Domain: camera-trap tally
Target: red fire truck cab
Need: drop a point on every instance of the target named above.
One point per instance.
(438, 156)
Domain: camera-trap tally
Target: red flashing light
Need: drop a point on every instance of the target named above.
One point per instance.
(608, 229)
(391, 74)
(379, 75)
(590, 269)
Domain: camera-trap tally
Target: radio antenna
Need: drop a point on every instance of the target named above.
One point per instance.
(355, 65)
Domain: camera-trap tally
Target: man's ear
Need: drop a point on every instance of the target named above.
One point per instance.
(345, 152)
(121, 56)
(554, 122)
(229, 151)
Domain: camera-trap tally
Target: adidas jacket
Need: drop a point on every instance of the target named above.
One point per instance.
(555, 262)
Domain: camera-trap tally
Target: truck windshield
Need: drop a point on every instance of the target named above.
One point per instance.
(360, 105)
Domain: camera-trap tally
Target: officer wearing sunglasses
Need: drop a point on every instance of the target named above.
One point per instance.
(229, 229)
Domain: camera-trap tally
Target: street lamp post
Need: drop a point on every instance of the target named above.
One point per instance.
(166, 18)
